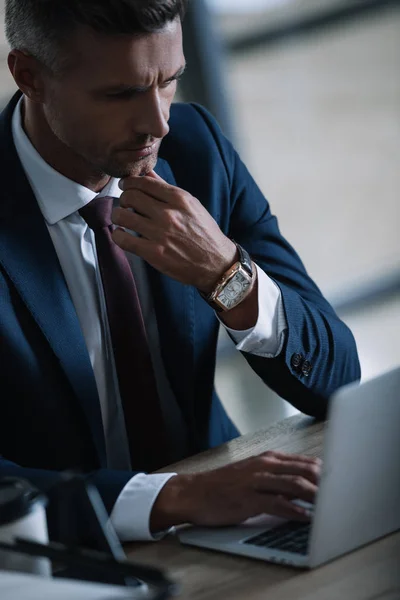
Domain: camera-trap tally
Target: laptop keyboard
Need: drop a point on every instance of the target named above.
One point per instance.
(289, 537)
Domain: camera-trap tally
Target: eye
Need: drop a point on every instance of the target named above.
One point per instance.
(123, 95)
(130, 93)
(169, 81)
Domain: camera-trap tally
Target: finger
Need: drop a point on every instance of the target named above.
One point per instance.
(158, 188)
(292, 457)
(123, 217)
(136, 245)
(284, 508)
(155, 175)
(146, 205)
(292, 486)
(308, 470)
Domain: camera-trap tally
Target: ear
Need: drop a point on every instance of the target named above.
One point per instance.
(27, 73)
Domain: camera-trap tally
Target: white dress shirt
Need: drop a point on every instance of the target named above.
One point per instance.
(59, 200)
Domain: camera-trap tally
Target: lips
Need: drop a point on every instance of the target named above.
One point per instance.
(142, 152)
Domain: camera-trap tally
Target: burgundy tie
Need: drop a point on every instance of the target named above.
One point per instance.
(137, 386)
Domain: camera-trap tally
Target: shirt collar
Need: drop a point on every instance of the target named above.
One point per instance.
(57, 196)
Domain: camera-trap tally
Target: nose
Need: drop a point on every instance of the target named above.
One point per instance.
(153, 115)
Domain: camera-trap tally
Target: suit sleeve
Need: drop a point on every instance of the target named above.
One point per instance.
(109, 483)
(319, 354)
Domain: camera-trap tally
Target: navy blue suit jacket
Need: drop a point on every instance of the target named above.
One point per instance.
(49, 407)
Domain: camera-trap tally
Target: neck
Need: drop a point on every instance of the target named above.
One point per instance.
(55, 153)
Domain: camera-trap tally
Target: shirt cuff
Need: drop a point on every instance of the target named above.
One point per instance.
(266, 338)
(130, 516)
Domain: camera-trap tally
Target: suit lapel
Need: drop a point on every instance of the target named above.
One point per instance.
(28, 256)
(174, 306)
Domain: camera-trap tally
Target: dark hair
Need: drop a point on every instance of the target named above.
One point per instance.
(42, 27)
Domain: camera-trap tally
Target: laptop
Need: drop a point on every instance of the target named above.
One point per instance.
(358, 498)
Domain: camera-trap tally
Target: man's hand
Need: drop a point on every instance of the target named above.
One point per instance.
(177, 235)
(227, 496)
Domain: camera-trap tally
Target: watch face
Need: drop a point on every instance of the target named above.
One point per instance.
(234, 291)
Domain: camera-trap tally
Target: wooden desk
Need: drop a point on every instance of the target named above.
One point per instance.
(371, 573)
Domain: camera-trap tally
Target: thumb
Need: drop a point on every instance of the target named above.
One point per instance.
(124, 183)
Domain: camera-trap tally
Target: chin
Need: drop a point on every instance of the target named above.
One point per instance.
(135, 169)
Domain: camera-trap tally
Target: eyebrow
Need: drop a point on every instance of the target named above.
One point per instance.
(129, 88)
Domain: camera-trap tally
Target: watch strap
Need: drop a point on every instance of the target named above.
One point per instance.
(244, 259)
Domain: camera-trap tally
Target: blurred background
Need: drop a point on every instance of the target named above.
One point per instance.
(309, 91)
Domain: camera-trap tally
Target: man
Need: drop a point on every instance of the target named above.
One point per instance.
(107, 356)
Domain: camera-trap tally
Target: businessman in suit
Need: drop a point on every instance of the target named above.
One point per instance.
(129, 230)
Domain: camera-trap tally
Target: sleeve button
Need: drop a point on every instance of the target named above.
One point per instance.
(296, 361)
(306, 368)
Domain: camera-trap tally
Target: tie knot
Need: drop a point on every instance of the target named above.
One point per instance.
(97, 213)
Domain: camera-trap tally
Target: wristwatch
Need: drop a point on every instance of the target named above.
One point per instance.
(234, 285)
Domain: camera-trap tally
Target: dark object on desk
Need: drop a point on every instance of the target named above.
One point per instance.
(95, 533)
(99, 562)
(96, 555)
(22, 513)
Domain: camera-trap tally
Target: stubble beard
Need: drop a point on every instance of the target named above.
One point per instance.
(139, 168)
(112, 167)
